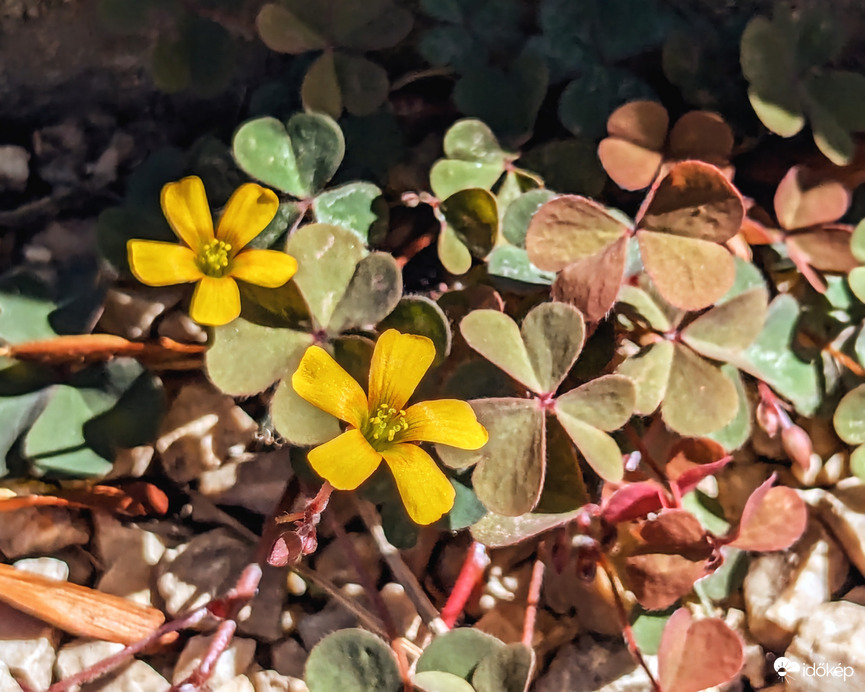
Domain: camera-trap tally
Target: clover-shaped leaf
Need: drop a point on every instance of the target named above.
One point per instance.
(298, 157)
(473, 215)
(856, 278)
(352, 659)
(849, 420)
(729, 327)
(458, 652)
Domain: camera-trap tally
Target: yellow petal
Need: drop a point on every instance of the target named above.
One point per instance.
(215, 301)
(399, 362)
(323, 383)
(346, 461)
(425, 490)
(162, 264)
(446, 421)
(269, 268)
(246, 214)
(184, 204)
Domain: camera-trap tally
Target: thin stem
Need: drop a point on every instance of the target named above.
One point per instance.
(532, 600)
(470, 575)
(627, 631)
(408, 78)
(399, 569)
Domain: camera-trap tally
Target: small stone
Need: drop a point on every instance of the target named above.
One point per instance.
(7, 682)
(335, 563)
(136, 676)
(402, 611)
(14, 168)
(288, 657)
(234, 661)
(782, 589)
(202, 430)
(239, 683)
(295, 584)
(48, 567)
(270, 681)
(130, 555)
(841, 509)
(832, 640)
(179, 326)
(206, 567)
(264, 618)
(256, 484)
(132, 462)
(27, 647)
(130, 312)
(40, 530)
(587, 665)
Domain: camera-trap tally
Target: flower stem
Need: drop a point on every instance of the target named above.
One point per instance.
(470, 575)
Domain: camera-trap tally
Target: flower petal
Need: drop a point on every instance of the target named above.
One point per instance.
(215, 301)
(425, 490)
(184, 204)
(399, 362)
(246, 214)
(162, 264)
(346, 461)
(269, 268)
(323, 383)
(446, 421)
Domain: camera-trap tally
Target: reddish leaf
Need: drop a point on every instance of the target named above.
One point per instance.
(569, 228)
(668, 554)
(695, 200)
(701, 135)
(631, 166)
(801, 202)
(633, 501)
(690, 452)
(690, 478)
(592, 284)
(687, 647)
(773, 519)
(826, 249)
(642, 122)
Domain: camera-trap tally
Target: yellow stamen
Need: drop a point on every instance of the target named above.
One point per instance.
(213, 258)
(387, 422)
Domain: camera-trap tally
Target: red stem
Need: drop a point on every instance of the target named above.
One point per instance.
(470, 575)
(532, 601)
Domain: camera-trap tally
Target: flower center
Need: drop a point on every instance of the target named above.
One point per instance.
(213, 258)
(386, 423)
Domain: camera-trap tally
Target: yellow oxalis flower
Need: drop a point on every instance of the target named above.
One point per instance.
(216, 261)
(380, 426)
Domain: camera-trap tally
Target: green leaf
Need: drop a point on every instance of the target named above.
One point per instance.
(569, 228)
(422, 316)
(689, 273)
(849, 418)
(298, 421)
(497, 531)
(699, 399)
(298, 158)
(453, 253)
(648, 628)
(326, 257)
(553, 334)
(731, 326)
(287, 215)
(727, 580)
(458, 652)
(284, 32)
(472, 140)
(856, 279)
(246, 358)
(737, 432)
(506, 99)
(513, 263)
(448, 176)
(366, 26)
(587, 102)
(359, 207)
(607, 402)
(831, 138)
(439, 681)
(640, 305)
(497, 338)
(24, 310)
(510, 467)
(320, 90)
(373, 292)
(18, 413)
(771, 358)
(857, 462)
(649, 370)
(600, 450)
(352, 660)
(473, 215)
(505, 670)
(842, 95)
(467, 508)
(857, 241)
(55, 444)
(364, 85)
(519, 214)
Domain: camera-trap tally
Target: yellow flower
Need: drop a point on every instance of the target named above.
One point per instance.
(380, 426)
(215, 261)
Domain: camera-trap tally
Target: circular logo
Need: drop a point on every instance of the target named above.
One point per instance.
(785, 665)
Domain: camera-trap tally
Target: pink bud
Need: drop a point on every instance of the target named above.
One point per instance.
(767, 418)
(797, 445)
